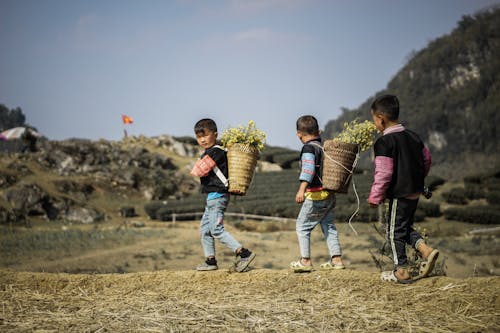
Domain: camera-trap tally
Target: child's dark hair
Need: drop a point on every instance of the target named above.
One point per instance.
(205, 124)
(308, 124)
(388, 105)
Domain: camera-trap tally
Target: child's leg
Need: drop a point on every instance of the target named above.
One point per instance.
(329, 229)
(401, 213)
(216, 217)
(306, 221)
(416, 240)
(207, 240)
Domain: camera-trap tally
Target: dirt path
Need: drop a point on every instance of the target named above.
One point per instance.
(177, 247)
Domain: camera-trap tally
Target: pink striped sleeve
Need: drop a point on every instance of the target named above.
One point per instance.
(383, 174)
(427, 159)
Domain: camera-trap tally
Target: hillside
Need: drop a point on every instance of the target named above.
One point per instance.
(450, 94)
(258, 301)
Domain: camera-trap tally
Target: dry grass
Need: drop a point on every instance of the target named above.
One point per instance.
(257, 301)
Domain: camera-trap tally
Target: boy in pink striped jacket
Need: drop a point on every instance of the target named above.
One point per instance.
(401, 163)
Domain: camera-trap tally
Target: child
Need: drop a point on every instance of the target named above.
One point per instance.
(317, 204)
(401, 163)
(213, 172)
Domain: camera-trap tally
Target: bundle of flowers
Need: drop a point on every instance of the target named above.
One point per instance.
(342, 154)
(247, 135)
(244, 144)
(359, 133)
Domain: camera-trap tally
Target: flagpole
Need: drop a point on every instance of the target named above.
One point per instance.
(126, 120)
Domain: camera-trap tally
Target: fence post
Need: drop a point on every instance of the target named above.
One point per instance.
(173, 218)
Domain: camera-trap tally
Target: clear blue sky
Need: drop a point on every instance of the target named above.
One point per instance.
(74, 67)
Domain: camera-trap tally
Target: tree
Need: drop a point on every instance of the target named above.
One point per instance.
(11, 118)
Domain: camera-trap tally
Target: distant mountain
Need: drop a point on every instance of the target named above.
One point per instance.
(449, 91)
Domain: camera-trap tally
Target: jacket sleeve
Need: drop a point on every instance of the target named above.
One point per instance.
(384, 168)
(427, 159)
(203, 166)
(308, 166)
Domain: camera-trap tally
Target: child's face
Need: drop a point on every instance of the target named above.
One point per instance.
(300, 135)
(378, 120)
(206, 139)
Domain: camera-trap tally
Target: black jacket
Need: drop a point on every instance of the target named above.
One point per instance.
(210, 182)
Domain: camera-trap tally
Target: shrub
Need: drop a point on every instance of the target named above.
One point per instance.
(493, 197)
(493, 184)
(474, 191)
(433, 182)
(455, 196)
(476, 214)
(152, 208)
(419, 215)
(474, 179)
(128, 211)
(430, 209)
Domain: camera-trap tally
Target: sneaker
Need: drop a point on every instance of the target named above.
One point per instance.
(243, 259)
(208, 265)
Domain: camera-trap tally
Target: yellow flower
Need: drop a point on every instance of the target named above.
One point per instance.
(249, 135)
(358, 133)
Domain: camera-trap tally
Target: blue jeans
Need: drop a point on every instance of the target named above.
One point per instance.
(212, 227)
(311, 214)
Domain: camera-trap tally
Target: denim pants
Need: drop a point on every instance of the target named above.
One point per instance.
(212, 227)
(311, 214)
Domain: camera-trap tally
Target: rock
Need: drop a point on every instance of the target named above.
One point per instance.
(79, 191)
(264, 166)
(24, 197)
(83, 215)
(138, 224)
(7, 180)
(7, 216)
(127, 211)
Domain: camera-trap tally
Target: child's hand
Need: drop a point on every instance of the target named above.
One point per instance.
(299, 197)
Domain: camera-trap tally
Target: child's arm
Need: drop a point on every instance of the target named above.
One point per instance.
(427, 159)
(307, 172)
(382, 179)
(300, 196)
(203, 166)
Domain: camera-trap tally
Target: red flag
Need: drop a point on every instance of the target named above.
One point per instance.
(127, 119)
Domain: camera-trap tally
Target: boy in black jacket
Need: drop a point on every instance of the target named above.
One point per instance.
(213, 172)
(401, 163)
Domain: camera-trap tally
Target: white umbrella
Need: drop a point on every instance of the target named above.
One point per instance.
(16, 133)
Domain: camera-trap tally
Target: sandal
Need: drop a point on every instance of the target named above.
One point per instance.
(427, 266)
(390, 276)
(299, 267)
(329, 266)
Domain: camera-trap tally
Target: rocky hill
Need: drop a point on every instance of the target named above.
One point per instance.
(88, 181)
(81, 181)
(450, 92)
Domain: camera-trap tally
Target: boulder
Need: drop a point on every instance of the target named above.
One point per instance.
(83, 215)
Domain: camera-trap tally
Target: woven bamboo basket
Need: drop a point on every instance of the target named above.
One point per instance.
(241, 160)
(338, 164)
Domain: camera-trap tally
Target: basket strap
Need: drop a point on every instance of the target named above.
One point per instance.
(317, 145)
(354, 164)
(218, 172)
(221, 176)
(337, 162)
